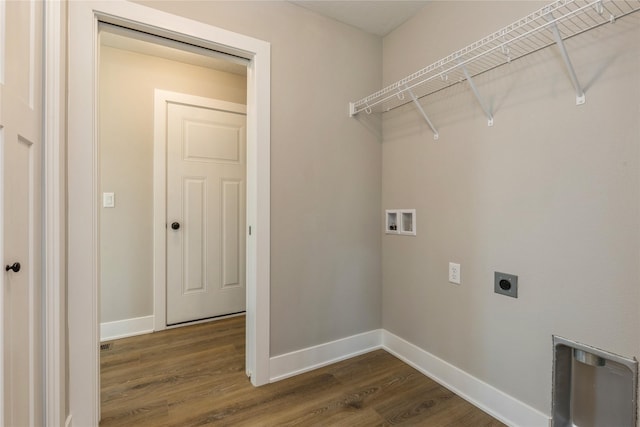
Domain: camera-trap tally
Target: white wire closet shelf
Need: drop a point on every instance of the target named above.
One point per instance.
(549, 25)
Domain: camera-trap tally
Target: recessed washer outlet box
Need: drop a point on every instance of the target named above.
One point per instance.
(400, 221)
(505, 284)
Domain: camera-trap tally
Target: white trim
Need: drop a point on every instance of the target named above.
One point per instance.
(126, 328)
(69, 421)
(82, 169)
(53, 221)
(2, 276)
(82, 248)
(258, 257)
(307, 359)
(482, 395)
(161, 98)
(486, 397)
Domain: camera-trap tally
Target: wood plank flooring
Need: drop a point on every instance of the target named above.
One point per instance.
(194, 376)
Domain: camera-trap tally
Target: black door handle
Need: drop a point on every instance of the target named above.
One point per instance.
(175, 225)
(15, 267)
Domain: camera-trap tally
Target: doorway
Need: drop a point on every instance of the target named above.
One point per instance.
(172, 183)
(83, 191)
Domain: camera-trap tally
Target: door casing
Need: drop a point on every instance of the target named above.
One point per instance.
(54, 273)
(82, 189)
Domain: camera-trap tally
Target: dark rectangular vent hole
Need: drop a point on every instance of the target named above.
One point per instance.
(106, 346)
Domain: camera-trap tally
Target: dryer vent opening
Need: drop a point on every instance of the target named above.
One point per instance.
(592, 387)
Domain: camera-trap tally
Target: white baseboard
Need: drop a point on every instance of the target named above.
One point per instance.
(126, 328)
(307, 359)
(486, 397)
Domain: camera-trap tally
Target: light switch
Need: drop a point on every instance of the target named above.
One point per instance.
(108, 200)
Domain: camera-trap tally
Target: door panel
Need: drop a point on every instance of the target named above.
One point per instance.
(198, 135)
(20, 187)
(231, 204)
(194, 249)
(206, 194)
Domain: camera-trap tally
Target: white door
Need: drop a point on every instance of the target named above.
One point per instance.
(20, 154)
(206, 170)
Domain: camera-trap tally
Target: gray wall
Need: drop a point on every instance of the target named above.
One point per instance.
(127, 83)
(550, 193)
(325, 169)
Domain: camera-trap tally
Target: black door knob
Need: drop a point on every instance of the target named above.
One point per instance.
(15, 267)
(175, 225)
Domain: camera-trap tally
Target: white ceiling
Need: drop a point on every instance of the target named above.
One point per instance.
(375, 17)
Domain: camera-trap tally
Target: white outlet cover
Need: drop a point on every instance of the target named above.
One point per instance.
(454, 273)
(108, 200)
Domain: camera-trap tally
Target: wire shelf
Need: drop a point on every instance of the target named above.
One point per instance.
(527, 35)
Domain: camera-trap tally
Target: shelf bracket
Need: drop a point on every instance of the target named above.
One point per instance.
(477, 94)
(424, 115)
(580, 97)
(352, 109)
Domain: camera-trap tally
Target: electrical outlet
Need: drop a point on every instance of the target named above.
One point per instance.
(505, 284)
(454, 273)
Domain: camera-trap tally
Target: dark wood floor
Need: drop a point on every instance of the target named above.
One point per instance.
(194, 376)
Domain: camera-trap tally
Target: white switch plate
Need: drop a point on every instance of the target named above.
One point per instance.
(454, 273)
(108, 200)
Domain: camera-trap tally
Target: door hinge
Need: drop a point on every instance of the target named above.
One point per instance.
(249, 230)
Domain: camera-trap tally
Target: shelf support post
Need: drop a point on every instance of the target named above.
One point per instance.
(424, 115)
(477, 94)
(580, 97)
